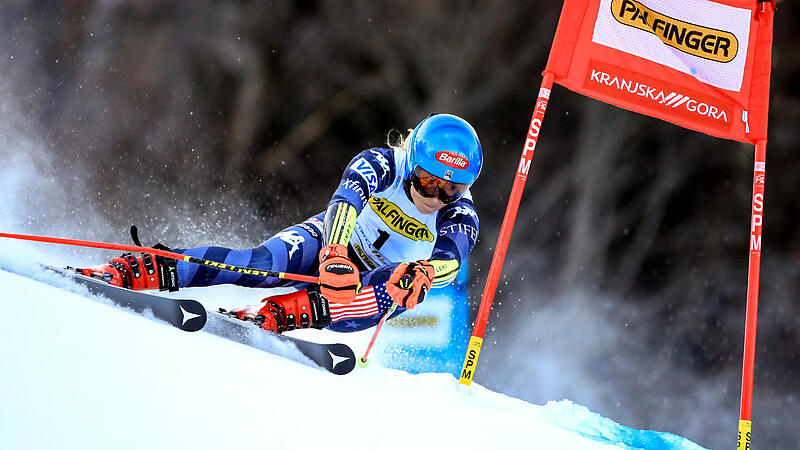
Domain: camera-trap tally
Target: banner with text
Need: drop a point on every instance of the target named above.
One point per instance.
(701, 64)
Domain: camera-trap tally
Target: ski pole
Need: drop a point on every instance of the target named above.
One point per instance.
(164, 253)
(364, 361)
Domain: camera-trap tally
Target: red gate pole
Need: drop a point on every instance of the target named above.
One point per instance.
(476, 341)
(753, 278)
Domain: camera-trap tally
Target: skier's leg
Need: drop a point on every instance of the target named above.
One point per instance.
(285, 312)
(370, 305)
(293, 250)
(306, 308)
(136, 272)
(406, 284)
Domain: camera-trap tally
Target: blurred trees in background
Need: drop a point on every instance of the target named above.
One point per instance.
(237, 117)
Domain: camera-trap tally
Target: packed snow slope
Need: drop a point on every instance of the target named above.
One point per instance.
(77, 373)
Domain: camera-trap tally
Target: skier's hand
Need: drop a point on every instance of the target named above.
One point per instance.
(338, 277)
(410, 282)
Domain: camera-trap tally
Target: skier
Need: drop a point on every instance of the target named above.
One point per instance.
(400, 222)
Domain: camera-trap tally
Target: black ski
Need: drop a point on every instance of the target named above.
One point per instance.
(191, 315)
(335, 358)
(188, 315)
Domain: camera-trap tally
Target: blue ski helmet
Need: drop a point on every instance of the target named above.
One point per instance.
(446, 146)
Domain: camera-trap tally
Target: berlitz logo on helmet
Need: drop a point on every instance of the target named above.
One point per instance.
(453, 160)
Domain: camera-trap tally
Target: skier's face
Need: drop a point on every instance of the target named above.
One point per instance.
(425, 205)
(429, 185)
(430, 193)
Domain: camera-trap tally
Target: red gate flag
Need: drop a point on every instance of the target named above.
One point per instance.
(700, 64)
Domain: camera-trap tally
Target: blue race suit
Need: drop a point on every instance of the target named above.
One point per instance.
(388, 230)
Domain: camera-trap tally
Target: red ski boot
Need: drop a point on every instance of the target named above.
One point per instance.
(145, 272)
(301, 309)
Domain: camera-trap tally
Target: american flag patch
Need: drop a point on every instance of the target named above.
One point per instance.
(370, 301)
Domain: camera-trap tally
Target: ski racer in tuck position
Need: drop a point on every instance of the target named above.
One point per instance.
(401, 221)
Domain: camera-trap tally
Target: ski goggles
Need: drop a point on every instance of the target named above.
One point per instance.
(431, 186)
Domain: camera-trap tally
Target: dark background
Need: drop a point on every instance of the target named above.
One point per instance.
(220, 122)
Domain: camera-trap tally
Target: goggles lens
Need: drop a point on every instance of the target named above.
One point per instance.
(430, 186)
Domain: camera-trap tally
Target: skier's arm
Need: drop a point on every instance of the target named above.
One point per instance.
(370, 171)
(340, 218)
(458, 231)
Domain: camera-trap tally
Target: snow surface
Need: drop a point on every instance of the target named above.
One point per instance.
(81, 374)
